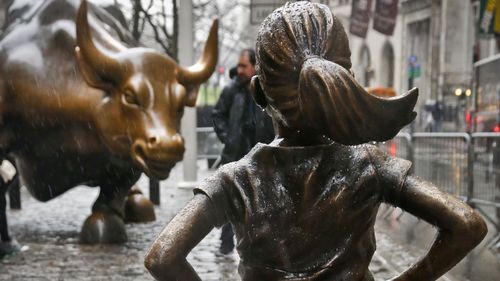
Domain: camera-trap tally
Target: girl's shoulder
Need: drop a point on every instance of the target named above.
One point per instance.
(274, 156)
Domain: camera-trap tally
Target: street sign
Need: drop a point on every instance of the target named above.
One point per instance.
(413, 67)
(260, 9)
(412, 59)
(414, 71)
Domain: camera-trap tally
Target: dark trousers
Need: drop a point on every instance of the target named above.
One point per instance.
(4, 231)
(227, 234)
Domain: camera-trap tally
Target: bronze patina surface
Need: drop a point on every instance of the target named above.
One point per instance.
(78, 105)
(303, 207)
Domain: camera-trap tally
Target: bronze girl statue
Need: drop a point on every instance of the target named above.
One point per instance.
(304, 206)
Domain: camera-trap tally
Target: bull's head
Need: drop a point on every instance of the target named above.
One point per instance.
(145, 94)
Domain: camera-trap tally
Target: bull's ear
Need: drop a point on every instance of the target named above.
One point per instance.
(257, 92)
(192, 95)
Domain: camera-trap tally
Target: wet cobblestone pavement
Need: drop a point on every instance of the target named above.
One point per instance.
(49, 235)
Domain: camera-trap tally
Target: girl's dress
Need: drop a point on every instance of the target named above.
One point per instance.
(305, 213)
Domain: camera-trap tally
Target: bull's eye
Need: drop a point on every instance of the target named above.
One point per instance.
(129, 98)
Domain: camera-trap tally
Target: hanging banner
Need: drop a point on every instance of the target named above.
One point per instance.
(487, 21)
(384, 19)
(360, 17)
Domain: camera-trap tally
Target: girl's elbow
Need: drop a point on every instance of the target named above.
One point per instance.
(152, 262)
(474, 228)
(157, 261)
(479, 228)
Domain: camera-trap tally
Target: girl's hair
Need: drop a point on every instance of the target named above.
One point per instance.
(303, 64)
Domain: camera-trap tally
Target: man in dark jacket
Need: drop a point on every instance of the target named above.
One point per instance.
(239, 123)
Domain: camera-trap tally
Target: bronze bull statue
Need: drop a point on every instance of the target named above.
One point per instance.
(78, 106)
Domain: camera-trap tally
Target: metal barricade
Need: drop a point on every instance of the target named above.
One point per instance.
(465, 165)
(442, 158)
(486, 180)
(209, 145)
(486, 169)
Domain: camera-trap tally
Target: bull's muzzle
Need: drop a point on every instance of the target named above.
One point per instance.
(156, 156)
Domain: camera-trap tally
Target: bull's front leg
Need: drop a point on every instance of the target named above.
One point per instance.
(106, 223)
(116, 204)
(138, 208)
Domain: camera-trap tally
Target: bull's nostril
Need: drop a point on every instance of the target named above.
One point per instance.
(153, 140)
(140, 151)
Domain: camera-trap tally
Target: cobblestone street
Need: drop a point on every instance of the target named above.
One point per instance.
(336, 97)
(49, 235)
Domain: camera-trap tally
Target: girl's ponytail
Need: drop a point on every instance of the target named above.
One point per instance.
(333, 102)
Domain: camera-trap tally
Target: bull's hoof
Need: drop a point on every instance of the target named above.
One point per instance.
(103, 228)
(9, 248)
(138, 208)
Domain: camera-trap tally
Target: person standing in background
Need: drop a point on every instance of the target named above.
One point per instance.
(239, 124)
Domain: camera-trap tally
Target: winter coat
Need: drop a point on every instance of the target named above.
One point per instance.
(239, 122)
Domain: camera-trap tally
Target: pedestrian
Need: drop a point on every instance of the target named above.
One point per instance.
(239, 123)
(437, 116)
(8, 176)
(304, 206)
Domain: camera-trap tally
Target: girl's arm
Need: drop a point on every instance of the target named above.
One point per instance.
(460, 228)
(166, 260)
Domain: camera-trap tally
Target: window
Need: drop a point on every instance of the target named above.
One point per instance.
(387, 66)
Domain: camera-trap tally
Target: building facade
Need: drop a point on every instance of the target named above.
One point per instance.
(377, 57)
(441, 35)
(434, 46)
(444, 34)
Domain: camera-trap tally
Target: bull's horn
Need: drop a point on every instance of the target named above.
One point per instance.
(98, 69)
(204, 67)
